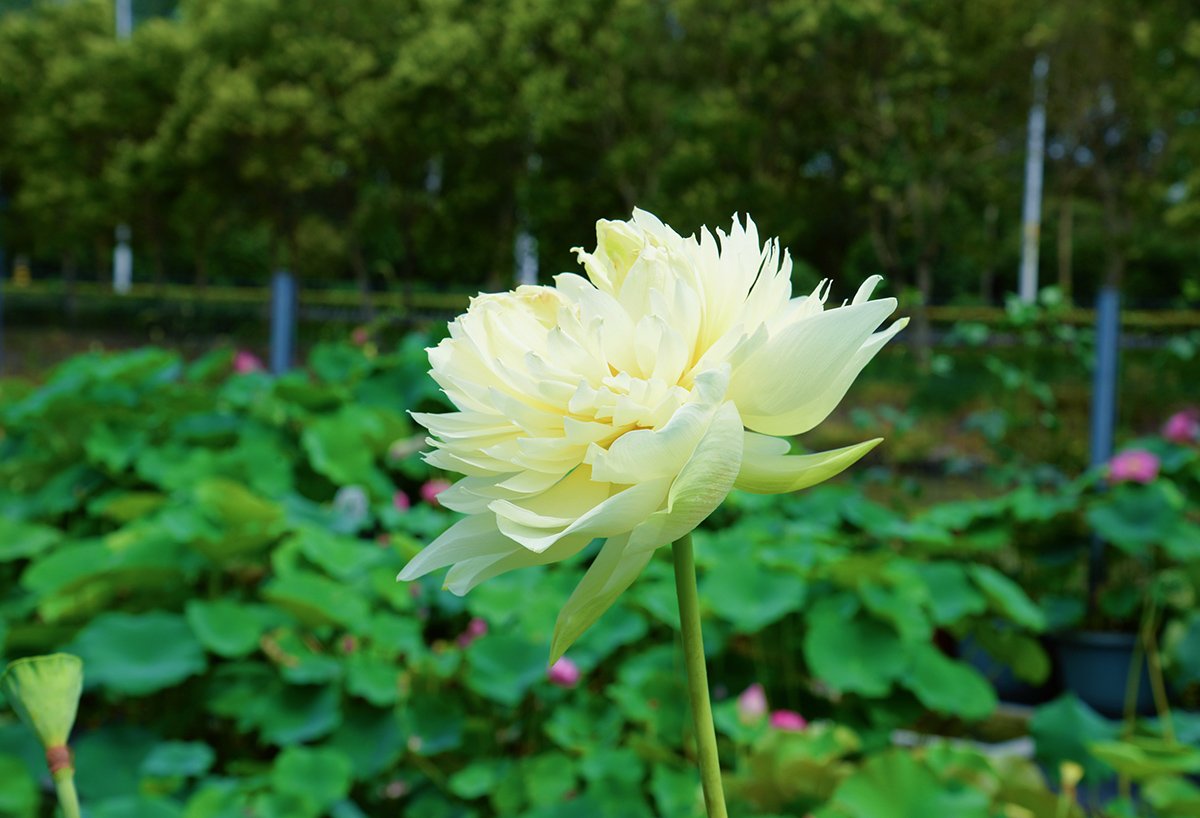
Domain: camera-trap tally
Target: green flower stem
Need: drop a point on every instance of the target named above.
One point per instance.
(697, 677)
(64, 783)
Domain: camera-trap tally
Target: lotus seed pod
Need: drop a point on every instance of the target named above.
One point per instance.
(44, 690)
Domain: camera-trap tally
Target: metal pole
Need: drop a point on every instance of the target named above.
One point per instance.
(283, 321)
(1031, 209)
(124, 19)
(122, 261)
(1104, 403)
(525, 258)
(122, 254)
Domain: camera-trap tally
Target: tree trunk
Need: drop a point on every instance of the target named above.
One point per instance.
(361, 274)
(68, 274)
(922, 332)
(103, 259)
(1066, 228)
(159, 261)
(886, 256)
(1116, 227)
(987, 276)
(200, 248)
(504, 251)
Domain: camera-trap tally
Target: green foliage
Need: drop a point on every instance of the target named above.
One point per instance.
(221, 550)
(394, 141)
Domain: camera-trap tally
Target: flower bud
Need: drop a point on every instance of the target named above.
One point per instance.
(1133, 465)
(432, 489)
(44, 691)
(563, 673)
(788, 720)
(752, 704)
(1183, 427)
(244, 362)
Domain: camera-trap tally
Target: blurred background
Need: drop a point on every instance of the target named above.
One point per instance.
(387, 146)
(229, 229)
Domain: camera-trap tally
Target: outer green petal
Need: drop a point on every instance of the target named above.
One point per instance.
(474, 536)
(813, 412)
(777, 474)
(790, 383)
(701, 486)
(613, 570)
(615, 515)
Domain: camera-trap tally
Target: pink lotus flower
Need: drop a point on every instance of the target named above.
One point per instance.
(360, 336)
(400, 501)
(432, 489)
(752, 704)
(244, 362)
(476, 628)
(563, 673)
(788, 720)
(1133, 465)
(396, 789)
(1183, 427)
(349, 644)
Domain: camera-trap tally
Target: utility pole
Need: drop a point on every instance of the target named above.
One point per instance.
(122, 253)
(525, 266)
(1031, 210)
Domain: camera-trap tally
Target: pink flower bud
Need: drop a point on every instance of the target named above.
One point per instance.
(563, 673)
(788, 720)
(1183, 427)
(400, 501)
(349, 644)
(360, 336)
(244, 362)
(432, 489)
(752, 704)
(395, 789)
(1135, 465)
(475, 629)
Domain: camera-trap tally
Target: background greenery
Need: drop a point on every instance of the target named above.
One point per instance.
(221, 549)
(407, 142)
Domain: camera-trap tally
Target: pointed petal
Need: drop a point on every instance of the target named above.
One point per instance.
(776, 474)
(864, 292)
(474, 536)
(806, 416)
(644, 454)
(467, 574)
(758, 445)
(530, 525)
(702, 484)
(613, 570)
(794, 380)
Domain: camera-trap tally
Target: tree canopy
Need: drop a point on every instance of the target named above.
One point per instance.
(408, 142)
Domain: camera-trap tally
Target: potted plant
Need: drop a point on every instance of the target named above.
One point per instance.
(1137, 576)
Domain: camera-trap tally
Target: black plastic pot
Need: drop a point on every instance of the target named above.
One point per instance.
(1007, 686)
(1095, 666)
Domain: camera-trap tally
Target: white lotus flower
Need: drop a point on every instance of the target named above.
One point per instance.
(626, 405)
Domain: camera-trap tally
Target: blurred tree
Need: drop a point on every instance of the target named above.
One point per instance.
(1117, 100)
(60, 130)
(411, 141)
